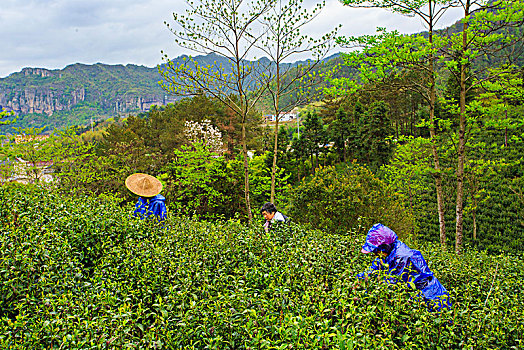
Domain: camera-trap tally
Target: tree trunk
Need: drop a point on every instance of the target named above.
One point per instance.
(274, 167)
(276, 106)
(440, 196)
(475, 224)
(461, 142)
(411, 203)
(460, 182)
(506, 132)
(412, 120)
(432, 133)
(246, 174)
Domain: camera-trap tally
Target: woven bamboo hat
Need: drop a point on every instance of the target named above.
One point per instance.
(143, 185)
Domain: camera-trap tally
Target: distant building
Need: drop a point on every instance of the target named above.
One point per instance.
(28, 138)
(26, 172)
(284, 117)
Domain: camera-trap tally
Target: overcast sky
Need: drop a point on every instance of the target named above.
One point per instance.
(55, 33)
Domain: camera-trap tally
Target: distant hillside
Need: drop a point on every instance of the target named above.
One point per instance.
(78, 93)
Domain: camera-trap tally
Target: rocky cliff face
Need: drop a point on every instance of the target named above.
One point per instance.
(39, 100)
(27, 93)
(80, 92)
(38, 71)
(139, 103)
(108, 89)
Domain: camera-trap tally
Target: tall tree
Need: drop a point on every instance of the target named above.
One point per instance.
(227, 29)
(339, 132)
(290, 86)
(397, 55)
(376, 135)
(487, 29)
(503, 99)
(299, 147)
(314, 137)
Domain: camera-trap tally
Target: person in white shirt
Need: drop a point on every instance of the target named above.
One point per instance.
(271, 214)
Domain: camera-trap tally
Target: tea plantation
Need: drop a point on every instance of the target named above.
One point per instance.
(82, 274)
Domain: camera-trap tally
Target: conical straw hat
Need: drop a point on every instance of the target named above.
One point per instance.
(143, 185)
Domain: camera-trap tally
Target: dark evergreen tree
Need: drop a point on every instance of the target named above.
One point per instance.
(339, 131)
(314, 137)
(375, 135)
(354, 147)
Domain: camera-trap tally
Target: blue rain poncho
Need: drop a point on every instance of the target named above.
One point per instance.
(405, 262)
(145, 207)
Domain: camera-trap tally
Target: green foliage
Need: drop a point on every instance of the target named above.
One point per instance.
(312, 139)
(196, 180)
(384, 56)
(83, 274)
(29, 153)
(375, 134)
(340, 130)
(81, 170)
(338, 200)
(490, 31)
(493, 205)
(503, 98)
(4, 118)
(409, 174)
(260, 180)
(146, 143)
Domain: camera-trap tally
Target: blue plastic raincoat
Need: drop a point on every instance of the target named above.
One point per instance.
(145, 207)
(404, 262)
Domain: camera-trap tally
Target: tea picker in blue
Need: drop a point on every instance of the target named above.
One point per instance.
(404, 262)
(150, 202)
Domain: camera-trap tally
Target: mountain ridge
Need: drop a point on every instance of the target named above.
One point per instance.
(79, 93)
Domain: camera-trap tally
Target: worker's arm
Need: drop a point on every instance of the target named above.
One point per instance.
(374, 267)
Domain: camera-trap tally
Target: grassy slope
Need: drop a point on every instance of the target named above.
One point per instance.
(80, 273)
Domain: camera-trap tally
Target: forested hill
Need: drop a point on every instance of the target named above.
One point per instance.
(79, 92)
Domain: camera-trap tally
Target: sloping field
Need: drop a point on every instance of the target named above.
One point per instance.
(80, 273)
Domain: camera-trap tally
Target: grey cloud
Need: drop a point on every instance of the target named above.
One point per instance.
(56, 33)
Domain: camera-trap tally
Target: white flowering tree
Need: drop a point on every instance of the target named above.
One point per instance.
(205, 133)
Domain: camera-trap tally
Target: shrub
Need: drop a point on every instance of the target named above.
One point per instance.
(339, 200)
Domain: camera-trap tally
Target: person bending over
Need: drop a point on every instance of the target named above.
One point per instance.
(409, 264)
(150, 202)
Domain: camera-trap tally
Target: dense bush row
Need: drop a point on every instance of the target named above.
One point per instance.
(80, 273)
(499, 212)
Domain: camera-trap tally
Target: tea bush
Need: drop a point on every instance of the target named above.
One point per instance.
(82, 274)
